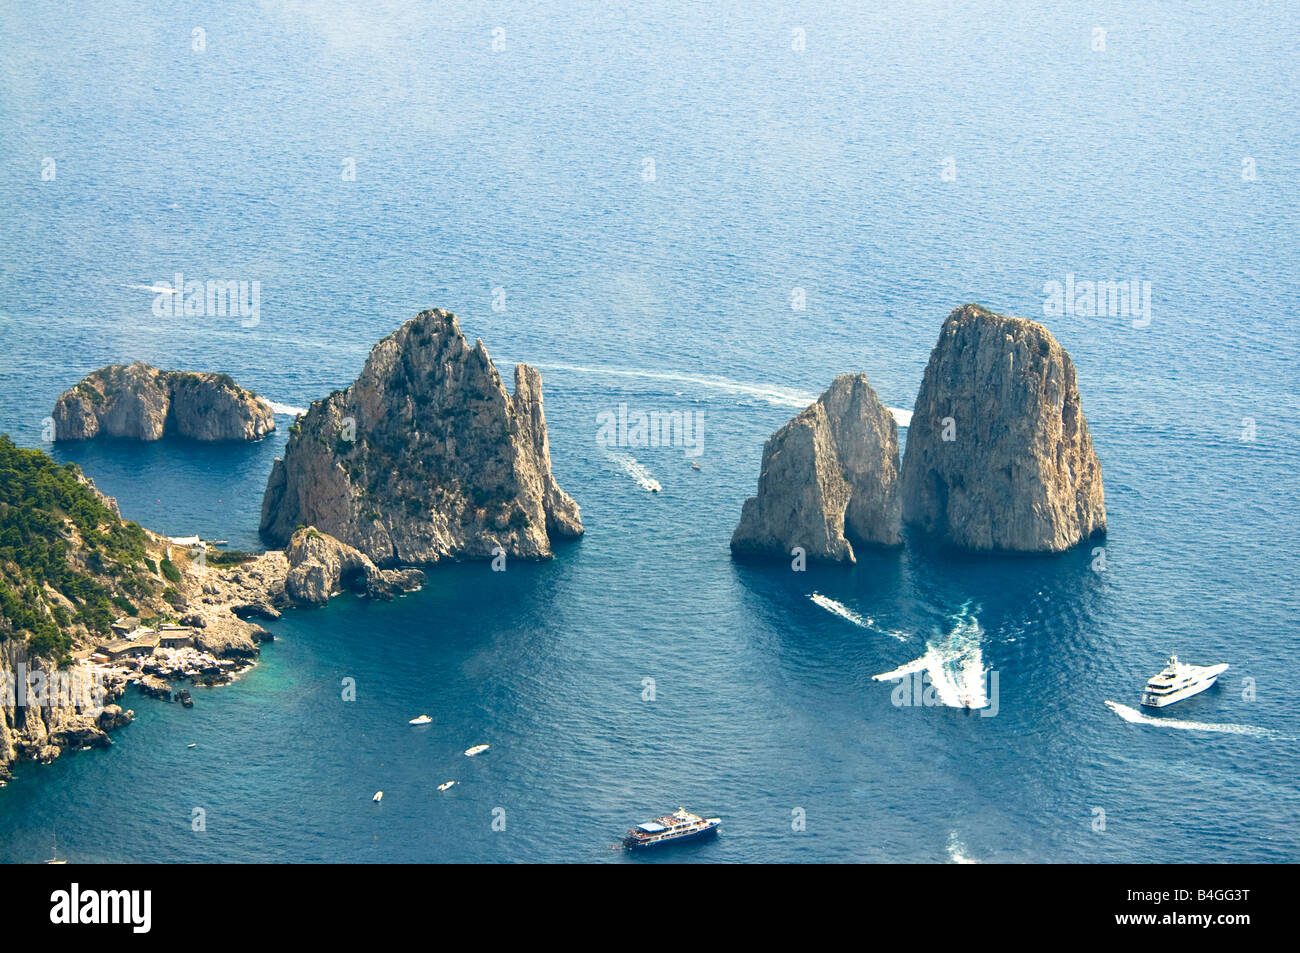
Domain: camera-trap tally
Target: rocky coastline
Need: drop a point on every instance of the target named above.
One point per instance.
(219, 610)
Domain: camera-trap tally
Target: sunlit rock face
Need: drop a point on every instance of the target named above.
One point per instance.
(998, 451)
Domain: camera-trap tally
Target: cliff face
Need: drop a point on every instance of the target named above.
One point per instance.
(140, 402)
(828, 476)
(998, 451)
(424, 457)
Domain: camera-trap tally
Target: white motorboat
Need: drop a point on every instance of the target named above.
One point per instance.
(379, 796)
(1177, 681)
(421, 720)
(477, 749)
(445, 785)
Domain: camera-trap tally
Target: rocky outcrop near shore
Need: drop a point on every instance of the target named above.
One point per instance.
(425, 457)
(829, 478)
(90, 602)
(320, 566)
(140, 402)
(47, 718)
(999, 456)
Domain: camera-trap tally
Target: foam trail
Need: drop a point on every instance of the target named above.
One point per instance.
(957, 851)
(918, 665)
(773, 395)
(844, 612)
(839, 609)
(901, 417)
(955, 666)
(1135, 717)
(286, 409)
(629, 465)
(156, 289)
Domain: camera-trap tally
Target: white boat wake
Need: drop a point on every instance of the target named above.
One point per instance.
(286, 409)
(773, 395)
(781, 397)
(844, 612)
(957, 851)
(629, 465)
(156, 289)
(1135, 717)
(955, 666)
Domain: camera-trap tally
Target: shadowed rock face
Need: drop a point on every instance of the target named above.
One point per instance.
(140, 402)
(424, 457)
(828, 476)
(1017, 472)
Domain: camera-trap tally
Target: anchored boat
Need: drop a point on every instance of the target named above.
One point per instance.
(681, 825)
(1178, 680)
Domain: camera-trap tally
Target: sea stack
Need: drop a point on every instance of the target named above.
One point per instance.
(998, 452)
(140, 402)
(829, 478)
(425, 457)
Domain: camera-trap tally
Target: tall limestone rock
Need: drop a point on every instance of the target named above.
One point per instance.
(828, 477)
(998, 451)
(140, 402)
(425, 457)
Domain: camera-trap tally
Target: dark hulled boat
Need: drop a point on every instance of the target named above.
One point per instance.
(674, 828)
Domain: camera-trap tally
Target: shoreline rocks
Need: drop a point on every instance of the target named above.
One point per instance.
(216, 603)
(320, 566)
(829, 477)
(425, 457)
(140, 402)
(999, 457)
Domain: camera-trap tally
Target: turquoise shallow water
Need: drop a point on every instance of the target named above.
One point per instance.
(522, 169)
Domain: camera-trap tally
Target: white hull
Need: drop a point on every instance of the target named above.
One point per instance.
(1178, 682)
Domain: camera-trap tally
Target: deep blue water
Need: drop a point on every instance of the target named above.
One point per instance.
(775, 169)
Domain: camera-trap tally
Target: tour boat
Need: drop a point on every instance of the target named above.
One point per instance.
(681, 825)
(1178, 680)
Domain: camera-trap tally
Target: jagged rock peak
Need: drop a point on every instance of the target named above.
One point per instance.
(425, 457)
(999, 456)
(140, 402)
(828, 476)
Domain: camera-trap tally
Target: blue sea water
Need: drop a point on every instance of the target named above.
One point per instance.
(526, 169)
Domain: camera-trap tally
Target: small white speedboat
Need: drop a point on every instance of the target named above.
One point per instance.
(192, 746)
(1177, 681)
(445, 785)
(421, 720)
(379, 796)
(477, 749)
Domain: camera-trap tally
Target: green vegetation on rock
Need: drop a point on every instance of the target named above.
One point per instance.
(66, 559)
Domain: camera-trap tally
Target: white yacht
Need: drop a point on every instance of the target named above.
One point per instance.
(421, 720)
(1179, 680)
